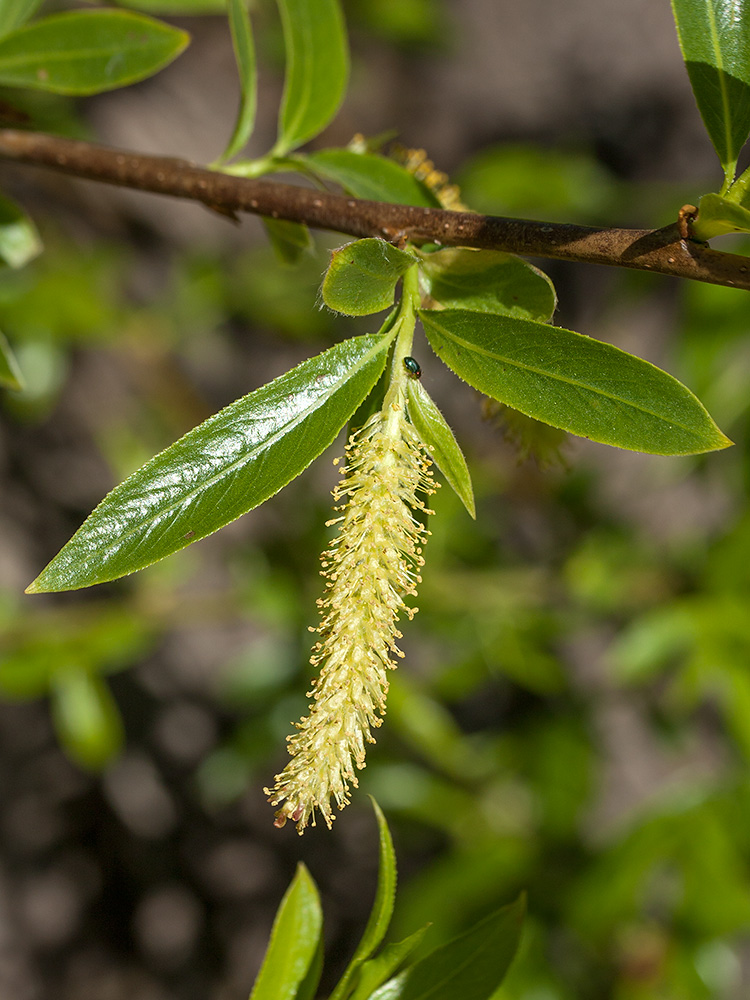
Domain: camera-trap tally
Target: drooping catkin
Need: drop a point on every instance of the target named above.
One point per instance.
(370, 567)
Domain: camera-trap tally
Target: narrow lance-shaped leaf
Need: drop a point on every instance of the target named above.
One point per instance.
(244, 54)
(470, 967)
(294, 941)
(573, 382)
(10, 373)
(87, 52)
(439, 440)
(715, 41)
(375, 972)
(362, 276)
(224, 467)
(488, 281)
(382, 908)
(317, 69)
(14, 13)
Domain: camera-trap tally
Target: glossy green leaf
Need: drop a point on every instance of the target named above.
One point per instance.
(224, 467)
(370, 176)
(362, 276)
(294, 941)
(244, 54)
(290, 240)
(573, 382)
(86, 718)
(488, 281)
(14, 13)
(382, 908)
(433, 429)
(375, 971)
(10, 373)
(470, 967)
(317, 69)
(19, 240)
(718, 216)
(86, 52)
(715, 43)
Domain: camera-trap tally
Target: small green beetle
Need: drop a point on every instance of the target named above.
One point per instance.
(412, 367)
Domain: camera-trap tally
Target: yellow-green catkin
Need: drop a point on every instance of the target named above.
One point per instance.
(370, 568)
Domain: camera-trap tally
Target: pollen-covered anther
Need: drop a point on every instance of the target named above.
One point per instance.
(370, 568)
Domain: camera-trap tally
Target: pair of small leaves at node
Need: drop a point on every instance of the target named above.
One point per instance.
(317, 72)
(471, 966)
(362, 277)
(83, 52)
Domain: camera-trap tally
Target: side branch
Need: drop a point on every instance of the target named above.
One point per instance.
(660, 250)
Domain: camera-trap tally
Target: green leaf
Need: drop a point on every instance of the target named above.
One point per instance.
(382, 908)
(715, 44)
(374, 972)
(470, 967)
(10, 373)
(244, 54)
(573, 382)
(488, 281)
(290, 240)
(308, 988)
(317, 69)
(440, 442)
(14, 13)
(176, 7)
(370, 176)
(362, 276)
(718, 216)
(87, 52)
(294, 941)
(19, 240)
(86, 717)
(224, 467)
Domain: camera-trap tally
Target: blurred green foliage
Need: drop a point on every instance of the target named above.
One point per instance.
(538, 623)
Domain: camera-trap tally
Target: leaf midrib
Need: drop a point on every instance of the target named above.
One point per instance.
(561, 378)
(246, 457)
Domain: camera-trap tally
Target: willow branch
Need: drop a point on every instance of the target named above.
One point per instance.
(659, 250)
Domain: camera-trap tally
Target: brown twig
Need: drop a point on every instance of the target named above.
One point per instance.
(661, 250)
